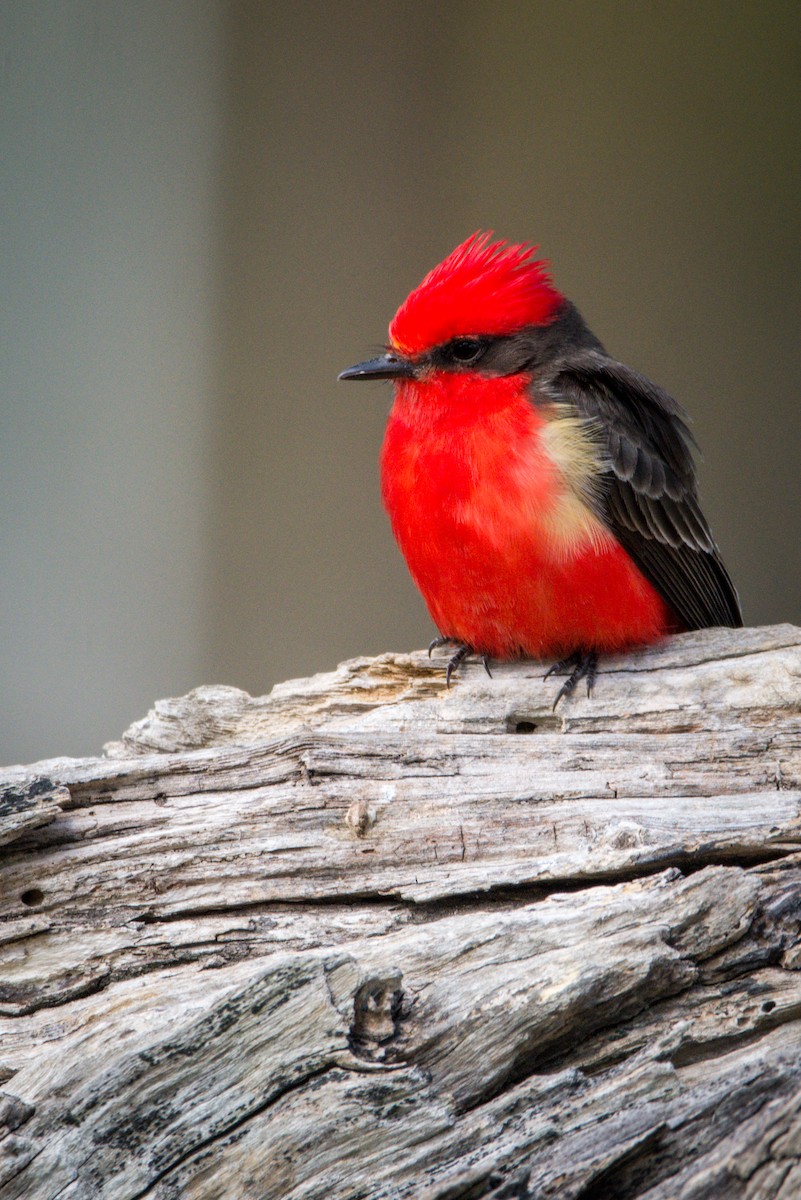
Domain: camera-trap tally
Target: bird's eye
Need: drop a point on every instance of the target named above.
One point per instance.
(466, 350)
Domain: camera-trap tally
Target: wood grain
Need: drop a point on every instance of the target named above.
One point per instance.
(367, 936)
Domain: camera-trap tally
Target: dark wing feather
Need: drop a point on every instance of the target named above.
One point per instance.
(648, 498)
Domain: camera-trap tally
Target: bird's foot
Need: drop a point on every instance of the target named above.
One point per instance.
(582, 664)
(463, 651)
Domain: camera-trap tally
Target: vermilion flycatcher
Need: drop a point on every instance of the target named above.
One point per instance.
(543, 494)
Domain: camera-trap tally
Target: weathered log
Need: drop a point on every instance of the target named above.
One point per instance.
(371, 937)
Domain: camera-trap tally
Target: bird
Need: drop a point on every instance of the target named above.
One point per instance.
(543, 494)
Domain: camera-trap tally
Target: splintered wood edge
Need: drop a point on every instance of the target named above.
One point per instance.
(368, 902)
(362, 687)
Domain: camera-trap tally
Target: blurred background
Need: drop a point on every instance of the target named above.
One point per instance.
(210, 207)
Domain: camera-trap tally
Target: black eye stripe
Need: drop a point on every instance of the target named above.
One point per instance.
(532, 350)
(460, 352)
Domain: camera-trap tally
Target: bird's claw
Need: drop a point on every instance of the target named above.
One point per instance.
(458, 658)
(463, 651)
(436, 642)
(582, 664)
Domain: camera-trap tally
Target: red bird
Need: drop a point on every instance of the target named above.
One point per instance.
(542, 493)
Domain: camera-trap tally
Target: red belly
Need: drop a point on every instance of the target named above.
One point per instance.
(472, 502)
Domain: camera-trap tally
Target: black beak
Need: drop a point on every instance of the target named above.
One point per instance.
(388, 366)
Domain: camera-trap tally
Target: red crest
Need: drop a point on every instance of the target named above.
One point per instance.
(482, 287)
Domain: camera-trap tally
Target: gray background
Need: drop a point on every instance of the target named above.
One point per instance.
(209, 208)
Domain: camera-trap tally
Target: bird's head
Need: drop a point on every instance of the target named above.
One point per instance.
(471, 314)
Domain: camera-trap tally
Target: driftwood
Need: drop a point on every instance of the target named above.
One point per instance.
(369, 937)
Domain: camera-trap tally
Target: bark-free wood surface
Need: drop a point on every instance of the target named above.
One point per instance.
(370, 937)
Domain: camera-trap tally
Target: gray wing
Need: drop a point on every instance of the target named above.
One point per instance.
(649, 494)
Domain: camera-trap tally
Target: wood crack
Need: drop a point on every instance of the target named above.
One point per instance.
(345, 940)
(197, 1151)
